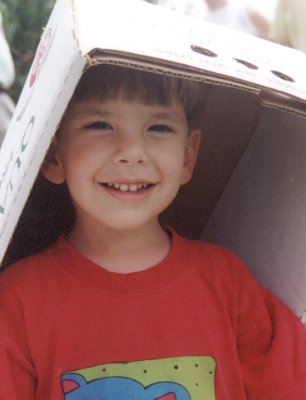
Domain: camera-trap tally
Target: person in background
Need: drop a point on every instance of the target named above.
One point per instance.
(289, 25)
(7, 76)
(237, 16)
(194, 8)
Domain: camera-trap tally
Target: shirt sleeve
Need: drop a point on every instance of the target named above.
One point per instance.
(271, 344)
(17, 373)
(16, 383)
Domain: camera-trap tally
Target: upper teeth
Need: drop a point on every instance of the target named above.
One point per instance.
(125, 187)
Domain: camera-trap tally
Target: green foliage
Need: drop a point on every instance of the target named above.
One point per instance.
(23, 23)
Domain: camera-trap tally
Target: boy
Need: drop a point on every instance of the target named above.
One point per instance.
(121, 307)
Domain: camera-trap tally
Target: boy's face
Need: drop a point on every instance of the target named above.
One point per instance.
(123, 161)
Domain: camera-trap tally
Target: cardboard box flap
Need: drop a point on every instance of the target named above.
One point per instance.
(154, 36)
(261, 213)
(54, 73)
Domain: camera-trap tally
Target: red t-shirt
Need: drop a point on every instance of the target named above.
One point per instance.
(196, 326)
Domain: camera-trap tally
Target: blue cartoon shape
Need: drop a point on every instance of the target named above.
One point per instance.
(116, 388)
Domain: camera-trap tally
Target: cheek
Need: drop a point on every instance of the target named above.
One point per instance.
(173, 158)
(177, 166)
(80, 156)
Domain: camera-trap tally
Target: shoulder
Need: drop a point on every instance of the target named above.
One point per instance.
(212, 257)
(220, 267)
(29, 270)
(220, 271)
(214, 252)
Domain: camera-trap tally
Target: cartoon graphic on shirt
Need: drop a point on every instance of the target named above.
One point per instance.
(119, 388)
(176, 378)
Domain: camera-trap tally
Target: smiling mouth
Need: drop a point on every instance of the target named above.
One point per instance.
(128, 187)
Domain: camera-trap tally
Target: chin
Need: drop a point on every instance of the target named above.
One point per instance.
(131, 224)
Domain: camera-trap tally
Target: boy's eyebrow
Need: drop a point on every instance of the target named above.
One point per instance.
(91, 110)
(171, 115)
(162, 115)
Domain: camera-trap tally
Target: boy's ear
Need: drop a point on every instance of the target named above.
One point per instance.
(191, 154)
(51, 167)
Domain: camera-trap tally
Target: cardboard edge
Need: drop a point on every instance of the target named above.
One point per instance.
(267, 96)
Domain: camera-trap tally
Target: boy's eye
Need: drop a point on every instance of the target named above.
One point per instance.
(98, 125)
(161, 128)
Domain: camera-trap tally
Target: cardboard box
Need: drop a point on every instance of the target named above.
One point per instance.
(249, 190)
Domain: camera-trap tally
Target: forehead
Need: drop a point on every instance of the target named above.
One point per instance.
(120, 107)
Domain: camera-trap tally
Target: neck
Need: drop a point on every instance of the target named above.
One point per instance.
(123, 251)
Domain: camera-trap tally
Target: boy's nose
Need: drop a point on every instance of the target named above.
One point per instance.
(131, 150)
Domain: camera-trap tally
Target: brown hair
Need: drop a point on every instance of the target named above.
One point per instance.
(109, 81)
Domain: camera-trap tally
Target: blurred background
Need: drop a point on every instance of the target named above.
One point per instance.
(22, 23)
(198, 8)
